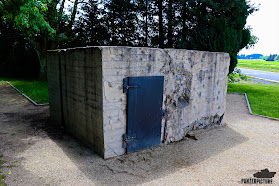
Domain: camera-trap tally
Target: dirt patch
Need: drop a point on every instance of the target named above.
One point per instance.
(39, 152)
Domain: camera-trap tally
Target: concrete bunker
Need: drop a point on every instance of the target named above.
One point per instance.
(86, 92)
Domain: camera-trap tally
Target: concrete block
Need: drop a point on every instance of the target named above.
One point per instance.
(86, 91)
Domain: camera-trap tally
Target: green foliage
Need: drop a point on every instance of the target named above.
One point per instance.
(263, 98)
(121, 21)
(251, 56)
(17, 55)
(193, 24)
(236, 76)
(27, 15)
(253, 40)
(92, 27)
(270, 66)
(40, 23)
(217, 26)
(272, 57)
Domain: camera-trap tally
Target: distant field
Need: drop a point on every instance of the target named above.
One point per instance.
(271, 66)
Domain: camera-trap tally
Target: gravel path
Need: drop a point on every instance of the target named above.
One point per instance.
(40, 153)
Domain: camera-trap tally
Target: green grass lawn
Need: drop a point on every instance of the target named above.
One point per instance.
(264, 99)
(36, 90)
(271, 66)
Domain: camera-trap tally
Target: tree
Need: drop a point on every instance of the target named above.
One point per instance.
(211, 25)
(272, 57)
(170, 23)
(91, 28)
(15, 47)
(120, 19)
(253, 40)
(27, 18)
(144, 14)
(37, 21)
(216, 26)
(26, 15)
(161, 31)
(147, 25)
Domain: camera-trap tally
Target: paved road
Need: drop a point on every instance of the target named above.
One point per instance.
(271, 76)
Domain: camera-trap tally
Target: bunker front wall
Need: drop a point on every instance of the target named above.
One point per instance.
(195, 89)
(75, 93)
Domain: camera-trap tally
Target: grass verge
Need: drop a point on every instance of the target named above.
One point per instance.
(263, 99)
(270, 66)
(36, 90)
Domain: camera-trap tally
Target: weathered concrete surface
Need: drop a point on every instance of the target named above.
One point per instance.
(194, 90)
(75, 93)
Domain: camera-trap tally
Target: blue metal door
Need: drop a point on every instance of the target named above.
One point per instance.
(145, 97)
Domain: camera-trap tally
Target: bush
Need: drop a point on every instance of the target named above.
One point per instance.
(236, 76)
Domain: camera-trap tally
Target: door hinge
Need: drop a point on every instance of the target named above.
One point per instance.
(126, 86)
(128, 139)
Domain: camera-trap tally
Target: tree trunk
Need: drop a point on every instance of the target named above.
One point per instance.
(73, 16)
(161, 32)
(60, 16)
(184, 27)
(113, 39)
(146, 23)
(170, 17)
(184, 17)
(43, 66)
(41, 50)
(43, 58)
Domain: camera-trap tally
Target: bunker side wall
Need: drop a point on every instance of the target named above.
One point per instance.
(194, 90)
(80, 81)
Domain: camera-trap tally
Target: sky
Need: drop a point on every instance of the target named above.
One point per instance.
(265, 25)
